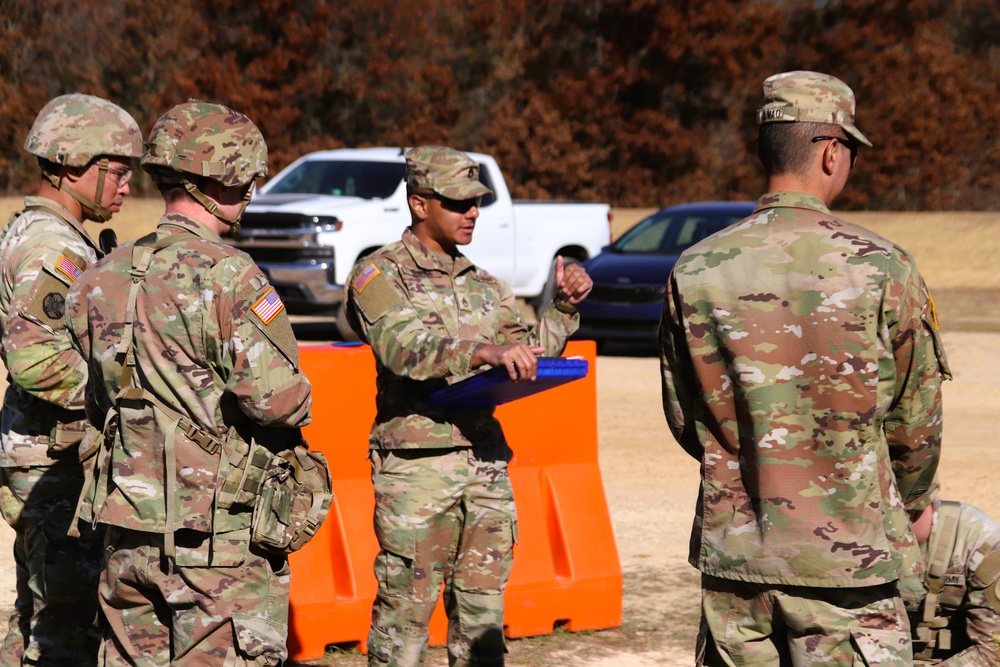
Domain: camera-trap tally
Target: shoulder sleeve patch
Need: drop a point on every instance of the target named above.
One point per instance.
(268, 306)
(266, 315)
(369, 274)
(48, 305)
(67, 266)
(373, 293)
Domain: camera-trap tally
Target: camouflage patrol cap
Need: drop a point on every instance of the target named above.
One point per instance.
(207, 140)
(809, 97)
(446, 171)
(76, 128)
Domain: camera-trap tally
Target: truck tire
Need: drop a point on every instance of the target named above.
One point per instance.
(344, 329)
(548, 292)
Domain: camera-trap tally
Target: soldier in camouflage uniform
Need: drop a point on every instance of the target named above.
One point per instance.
(444, 508)
(802, 368)
(204, 358)
(953, 605)
(85, 148)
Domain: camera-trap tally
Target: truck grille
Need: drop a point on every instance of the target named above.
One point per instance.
(285, 237)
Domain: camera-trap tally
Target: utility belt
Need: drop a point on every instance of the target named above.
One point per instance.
(286, 494)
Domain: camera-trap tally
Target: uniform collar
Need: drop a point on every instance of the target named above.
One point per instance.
(189, 224)
(427, 260)
(790, 200)
(63, 213)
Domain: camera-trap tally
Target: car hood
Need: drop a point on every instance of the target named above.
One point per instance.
(328, 205)
(611, 268)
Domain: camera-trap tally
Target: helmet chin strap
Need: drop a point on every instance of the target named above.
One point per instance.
(213, 208)
(99, 213)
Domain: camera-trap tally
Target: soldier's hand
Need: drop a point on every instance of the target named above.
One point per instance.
(572, 282)
(521, 361)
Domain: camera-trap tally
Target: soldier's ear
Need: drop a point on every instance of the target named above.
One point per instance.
(419, 206)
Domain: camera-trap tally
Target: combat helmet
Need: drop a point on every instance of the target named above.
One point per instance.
(76, 129)
(205, 140)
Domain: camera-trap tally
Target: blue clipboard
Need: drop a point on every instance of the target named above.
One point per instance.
(494, 387)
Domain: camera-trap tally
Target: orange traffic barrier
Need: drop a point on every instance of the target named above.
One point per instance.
(566, 568)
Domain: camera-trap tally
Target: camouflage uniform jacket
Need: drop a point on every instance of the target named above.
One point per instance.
(964, 601)
(801, 366)
(42, 252)
(424, 321)
(211, 341)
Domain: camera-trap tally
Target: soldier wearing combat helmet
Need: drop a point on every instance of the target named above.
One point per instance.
(196, 384)
(802, 368)
(86, 147)
(444, 505)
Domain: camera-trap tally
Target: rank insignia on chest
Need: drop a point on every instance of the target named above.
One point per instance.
(66, 266)
(268, 306)
(369, 274)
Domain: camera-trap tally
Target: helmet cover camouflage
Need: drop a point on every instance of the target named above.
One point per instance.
(446, 171)
(809, 97)
(207, 140)
(76, 128)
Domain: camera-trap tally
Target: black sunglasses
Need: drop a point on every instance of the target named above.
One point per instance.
(455, 205)
(852, 146)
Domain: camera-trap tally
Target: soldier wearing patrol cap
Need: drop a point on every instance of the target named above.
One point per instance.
(953, 605)
(85, 148)
(192, 358)
(802, 368)
(444, 509)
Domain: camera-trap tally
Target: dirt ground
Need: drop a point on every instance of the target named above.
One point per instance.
(651, 483)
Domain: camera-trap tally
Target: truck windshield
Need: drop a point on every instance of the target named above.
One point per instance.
(368, 180)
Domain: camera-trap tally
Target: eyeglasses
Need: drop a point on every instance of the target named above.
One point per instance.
(121, 176)
(455, 205)
(850, 145)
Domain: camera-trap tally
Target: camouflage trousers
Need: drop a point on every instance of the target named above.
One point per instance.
(196, 616)
(762, 624)
(55, 619)
(441, 516)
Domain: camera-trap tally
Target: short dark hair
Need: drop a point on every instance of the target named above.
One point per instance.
(786, 148)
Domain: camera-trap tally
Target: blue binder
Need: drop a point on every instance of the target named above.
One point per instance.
(494, 387)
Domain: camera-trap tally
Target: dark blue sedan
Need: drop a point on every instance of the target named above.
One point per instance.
(630, 275)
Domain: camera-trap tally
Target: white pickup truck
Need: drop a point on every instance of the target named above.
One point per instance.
(309, 224)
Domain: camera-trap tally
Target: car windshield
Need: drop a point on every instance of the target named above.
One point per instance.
(368, 180)
(666, 233)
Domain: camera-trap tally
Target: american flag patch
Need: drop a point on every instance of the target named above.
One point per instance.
(66, 266)
(268, 306)
(366, 277)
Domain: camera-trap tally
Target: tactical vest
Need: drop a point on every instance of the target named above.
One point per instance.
(931, 633)
(275, 500)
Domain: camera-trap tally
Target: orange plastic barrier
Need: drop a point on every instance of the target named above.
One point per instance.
(566, 567)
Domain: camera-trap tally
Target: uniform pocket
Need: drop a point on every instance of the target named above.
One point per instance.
(398, 540)
(257, 641)
(882, 648)
(379, 645)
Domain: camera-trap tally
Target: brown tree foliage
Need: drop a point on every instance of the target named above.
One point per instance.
(634, 102)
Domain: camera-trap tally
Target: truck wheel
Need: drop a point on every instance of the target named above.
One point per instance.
(548, 292)
(344, 329)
